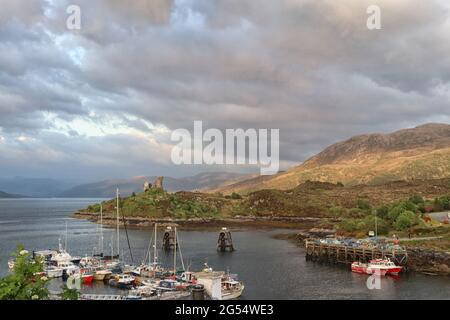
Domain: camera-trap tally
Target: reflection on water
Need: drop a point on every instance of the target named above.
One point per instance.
(270, 268)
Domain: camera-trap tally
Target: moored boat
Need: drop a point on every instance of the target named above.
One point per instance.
(380, 267)
(231, 289)
(54, 271)
(102, 274)
(122, 280)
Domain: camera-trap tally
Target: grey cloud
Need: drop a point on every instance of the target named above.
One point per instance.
(310, 68)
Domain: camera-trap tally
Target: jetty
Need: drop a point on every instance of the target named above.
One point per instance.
(341, 253)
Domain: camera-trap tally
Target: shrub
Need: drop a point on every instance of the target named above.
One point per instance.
(364, 205)
(382, 225)
(24, 283)
(441, 204)
(236, 196)
(356, 213)
(337, 211)
(400, 207)
(383, 212)
(417, 199)
(406, 220)
(349, 225)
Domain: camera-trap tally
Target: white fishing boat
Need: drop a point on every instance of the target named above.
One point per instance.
(231, 289)
(11, 264)
(54, 271)
(68, 268)
(218, 284)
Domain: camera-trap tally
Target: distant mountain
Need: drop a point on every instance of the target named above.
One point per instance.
(35, 187)
(4, 195)
(418, 153)
(107, 188)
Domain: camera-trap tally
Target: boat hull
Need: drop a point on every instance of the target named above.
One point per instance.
(234, 294)
(99, 277)
(368, 269)
(55, 273)
(87, 279)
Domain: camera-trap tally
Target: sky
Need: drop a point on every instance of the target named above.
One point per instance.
(101, 102)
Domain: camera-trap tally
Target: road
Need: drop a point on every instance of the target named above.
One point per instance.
(439, 216)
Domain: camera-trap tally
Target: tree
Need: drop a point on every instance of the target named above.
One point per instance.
(25, 282)
(406, 220)
(441, 204)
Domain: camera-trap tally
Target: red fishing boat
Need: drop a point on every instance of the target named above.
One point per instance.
(377, 266)
(86, 276)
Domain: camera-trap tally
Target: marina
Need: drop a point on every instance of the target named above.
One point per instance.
(269, 268)
(146, 281)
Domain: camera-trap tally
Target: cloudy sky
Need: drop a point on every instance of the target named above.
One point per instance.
(101, 102)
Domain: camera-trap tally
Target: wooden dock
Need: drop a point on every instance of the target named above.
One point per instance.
(339, 253)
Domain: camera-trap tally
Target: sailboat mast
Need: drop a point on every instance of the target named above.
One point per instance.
(118, 235)
(65, 243)
(155, 254)
(175, 254)
(101, 228)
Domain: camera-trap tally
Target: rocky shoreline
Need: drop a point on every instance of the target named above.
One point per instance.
(205, 223)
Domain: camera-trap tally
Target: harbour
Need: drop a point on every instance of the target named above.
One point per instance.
(269, 268)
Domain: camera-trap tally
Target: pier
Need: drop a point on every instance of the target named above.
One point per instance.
(340, 253)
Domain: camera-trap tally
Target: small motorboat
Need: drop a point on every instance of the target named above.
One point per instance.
(68, 268)
(167, 285)
(102, 274)
(122, 281)
(87, 262)
(54, 271)
(146, 289)
(87, 276)
(231, 289)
